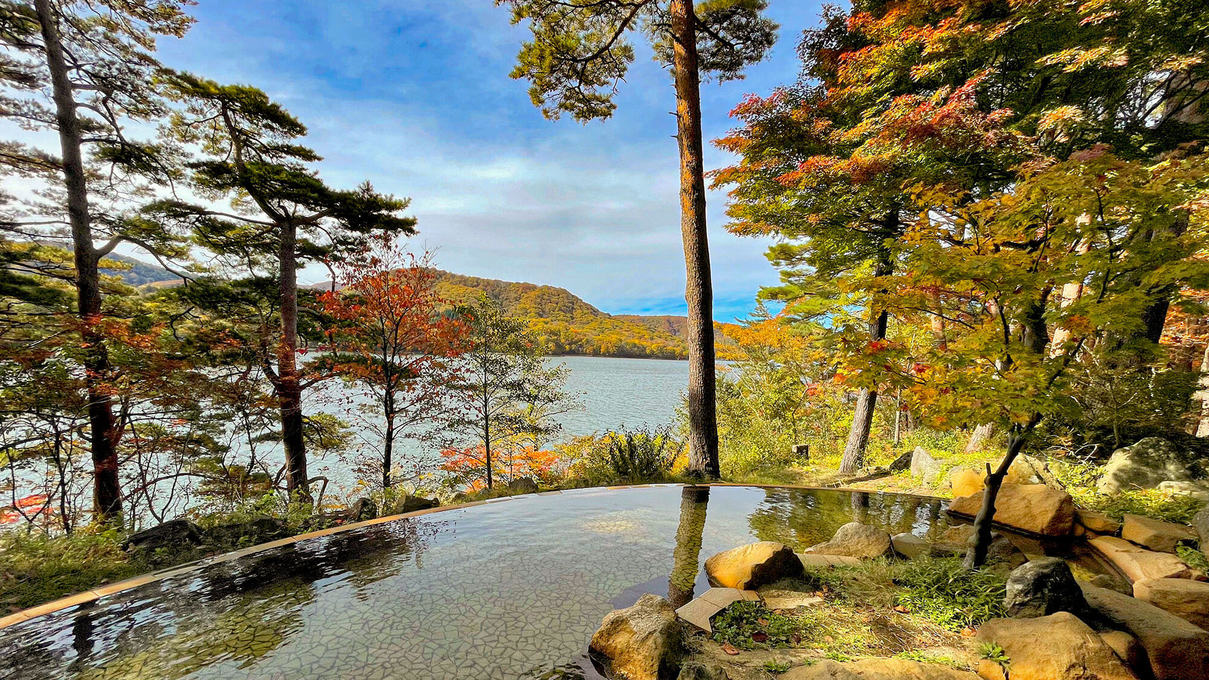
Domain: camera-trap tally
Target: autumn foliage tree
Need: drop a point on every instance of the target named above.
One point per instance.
(392, 336)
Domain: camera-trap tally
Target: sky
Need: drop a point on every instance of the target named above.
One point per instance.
(415, 96)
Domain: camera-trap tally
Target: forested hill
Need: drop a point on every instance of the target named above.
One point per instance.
(568, 325)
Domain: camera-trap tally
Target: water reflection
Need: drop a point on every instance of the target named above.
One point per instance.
(693, 502)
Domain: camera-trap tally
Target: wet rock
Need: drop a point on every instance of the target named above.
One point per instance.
(1198, 490)
(1176, 649)
(1144, 465)
(414, 503)
(1097, 522)
(855, 540)
(924, 466)
(876, 669)
(259, 530)
(912, 547)
(1042, 587)
(1035, 508)
(522, 485)
(750, 566)
(696, 670)
(643, 642)
(1155, 534)
(1136, 563)
(171, 534)
(1051, 647)
(1183, 597)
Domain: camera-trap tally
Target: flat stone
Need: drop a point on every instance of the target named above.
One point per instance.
(726, 596)
(788, 599)
(855, 540)
(1138, 564)
(1155, 534)
(910, 546)
(1053, 647)
(753, 565)
(1128, 649)
(1183, 597)
(699, 611)
(813, 561)
(1097, 522)
(1035, 508)
(1177, 650)
(876, 669)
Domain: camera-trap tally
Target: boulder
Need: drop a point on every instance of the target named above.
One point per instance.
(911, 546)
(642, 642)
(965, 482)
(750, 566)
(522, 485)
(1042, 587)
(1183, 597)
(1176, 649)
(363, 509)
(903, 462)
(955, 540)
(1155, 534)
(414, 503)
(1201, 524)
(924, 466)
(1035, 508)
(1052, 647)
(171, 534)
(1128, 649)
(1097, 522)
(1112, 582)
(1136, 563)
(1144, 465)
(855, 540)
(1198, 490)
(695, 670)
(876, 669)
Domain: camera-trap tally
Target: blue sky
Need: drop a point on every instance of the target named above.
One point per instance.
(415, 96)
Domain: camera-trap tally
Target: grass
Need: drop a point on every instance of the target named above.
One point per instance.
(941, 591)
(35, 568)
(1193, 557)
(991, 651)
(750, 625)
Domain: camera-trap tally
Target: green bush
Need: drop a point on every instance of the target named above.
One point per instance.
(1080, 478)
(36, 568)
(947, 594)
(751, 625)
(629, 456)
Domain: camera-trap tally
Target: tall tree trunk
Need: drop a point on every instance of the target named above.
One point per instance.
(103, 427)
(487, 437)
(1201, 397)
(289, 385)
(388, 452)
(862, 418)
(698, 291)
(693, 503)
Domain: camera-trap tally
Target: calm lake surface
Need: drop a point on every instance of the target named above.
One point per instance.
(617, 392)
(510, 589)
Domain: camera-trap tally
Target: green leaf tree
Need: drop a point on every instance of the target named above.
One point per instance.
(577, 57)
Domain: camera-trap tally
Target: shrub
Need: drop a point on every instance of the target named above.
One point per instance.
(751, 625)
(631, 456)
(952, 597)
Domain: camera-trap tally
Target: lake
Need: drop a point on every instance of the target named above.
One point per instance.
(617, 392)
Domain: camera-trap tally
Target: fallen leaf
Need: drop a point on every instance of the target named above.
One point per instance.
(902, 610)
(762, 622)
(968, 632)
(759, 637)
(729, 649)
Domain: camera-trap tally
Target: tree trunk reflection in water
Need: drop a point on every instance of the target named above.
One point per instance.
(860, 507)
(693, 500)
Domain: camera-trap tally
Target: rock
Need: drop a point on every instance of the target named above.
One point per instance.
(363, 509)
(969, 481)
(1144, 465)
(414, 503)
(522, 485)
(642, 642)
(700, 610)
(1053, 647)
(912, 546)
(695, 670)
(965, 482)
(171, 534)
(1138, 564)
(259, 530)
(1177, 650)
(815, 561)
(955, 540)
(901, 463)
(1201, 524)
(1155, 534)
(1183, 597)
(876, 669)
(750, 566)
(924, 466)
(1035, 508)
(1042, 587)
(1198, 490)
(855, 540)
(1097, 522)
(1128, 649)
(775, 598)
(1112, 583)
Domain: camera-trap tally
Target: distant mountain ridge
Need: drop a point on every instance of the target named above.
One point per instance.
(563, 322)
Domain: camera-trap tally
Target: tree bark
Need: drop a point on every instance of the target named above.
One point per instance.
(862, 418)
(388, 452)
(698, 291)
(289, 385)
(979, 437)
(976, 555)
(487, 436)
(103, 427)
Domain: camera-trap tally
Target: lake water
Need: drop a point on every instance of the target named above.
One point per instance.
(623, 392)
